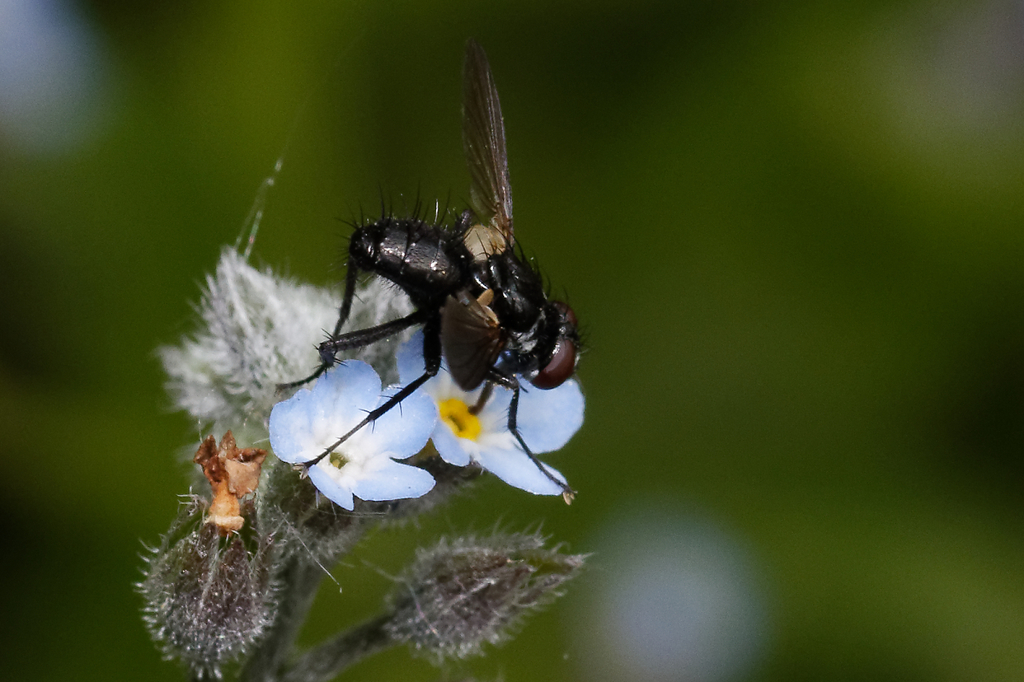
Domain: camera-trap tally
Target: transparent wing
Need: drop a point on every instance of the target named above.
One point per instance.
(471, 338)
(483, 140)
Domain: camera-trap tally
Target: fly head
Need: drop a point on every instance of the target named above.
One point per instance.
(558, 347)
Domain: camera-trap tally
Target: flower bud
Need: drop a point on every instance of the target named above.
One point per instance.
(257, 329)
(207, 598)
(464, 592)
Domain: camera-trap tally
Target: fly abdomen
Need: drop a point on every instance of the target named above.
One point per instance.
(425, 260)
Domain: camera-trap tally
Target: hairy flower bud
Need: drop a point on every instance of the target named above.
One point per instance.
(207, 598)
(464, 592)
(258, 330)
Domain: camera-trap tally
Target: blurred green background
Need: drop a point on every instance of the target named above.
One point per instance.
(793, 232)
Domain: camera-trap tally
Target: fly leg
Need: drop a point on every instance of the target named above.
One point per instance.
(351, 274)
(510, 381)
(364, 337)
(485, 395)
(330, 348)
(432, 362)
(327, 359)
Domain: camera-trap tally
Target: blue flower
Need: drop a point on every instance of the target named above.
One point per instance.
(364, 466)
(546, 420)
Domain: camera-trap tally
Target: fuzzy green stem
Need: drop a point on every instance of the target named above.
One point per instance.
(299, 582)
(330, 658)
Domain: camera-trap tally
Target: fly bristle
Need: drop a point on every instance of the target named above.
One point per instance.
(419, 217)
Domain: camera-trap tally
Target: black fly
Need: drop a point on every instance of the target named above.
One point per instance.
(481, 305)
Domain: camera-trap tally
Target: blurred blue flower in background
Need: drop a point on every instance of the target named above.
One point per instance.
(546, 420)
(679, 599)
(364, 466)
(54, 76)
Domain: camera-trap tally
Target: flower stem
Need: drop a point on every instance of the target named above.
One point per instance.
(330, 658)
(299, 582)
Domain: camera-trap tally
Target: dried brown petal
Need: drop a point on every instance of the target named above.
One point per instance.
(233, 473)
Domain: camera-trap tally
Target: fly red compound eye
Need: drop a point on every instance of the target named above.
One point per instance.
(561, 367)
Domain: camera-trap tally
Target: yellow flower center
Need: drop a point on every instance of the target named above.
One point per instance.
(456, 414)
(337, 459)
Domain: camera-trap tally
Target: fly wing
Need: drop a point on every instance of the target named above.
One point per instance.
(471, 338)
(483, 140)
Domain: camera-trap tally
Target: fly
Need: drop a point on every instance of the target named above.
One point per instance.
(482, 305)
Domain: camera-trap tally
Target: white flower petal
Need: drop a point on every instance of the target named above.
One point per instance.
(411, 367)
(385, 479)
(516, 469)
(345, 393)
(311, 420)
(403, 430)
(332, 484)
(291, 428)
(548, 419)
(494, 416)
(449, 446)
(410, 358)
